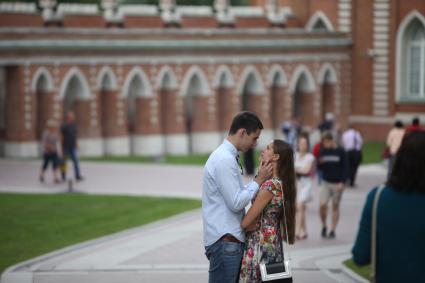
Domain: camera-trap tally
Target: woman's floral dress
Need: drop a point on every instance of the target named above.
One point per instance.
(271, 250)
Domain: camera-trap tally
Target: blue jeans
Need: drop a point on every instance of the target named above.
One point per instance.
(225, 261)
(72, 152)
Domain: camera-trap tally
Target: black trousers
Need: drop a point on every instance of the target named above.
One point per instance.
(354, 158)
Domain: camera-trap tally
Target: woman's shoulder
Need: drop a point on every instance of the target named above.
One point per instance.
(272, 185)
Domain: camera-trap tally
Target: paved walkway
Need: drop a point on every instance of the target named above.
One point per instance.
(171, 249)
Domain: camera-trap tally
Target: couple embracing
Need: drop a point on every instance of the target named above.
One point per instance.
(236, 242)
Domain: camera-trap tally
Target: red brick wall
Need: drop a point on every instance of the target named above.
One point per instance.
(362, 84)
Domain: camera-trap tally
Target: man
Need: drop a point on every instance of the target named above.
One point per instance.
(332, 162)
(224, 198)
(352, 142)
(415, 126)
(69, 143)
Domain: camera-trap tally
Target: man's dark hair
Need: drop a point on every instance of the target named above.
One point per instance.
(407, 174)
(245, 120)
(398, 124)
(415, 121)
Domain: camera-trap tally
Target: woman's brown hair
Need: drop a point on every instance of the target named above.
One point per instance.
(287, 176)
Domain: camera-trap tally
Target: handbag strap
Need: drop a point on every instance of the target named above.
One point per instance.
(281, 229)
(374, 228)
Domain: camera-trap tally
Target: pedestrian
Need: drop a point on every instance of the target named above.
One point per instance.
(352, 142)
(394, 138)
(333, 164)
(399, 243)
(316, 151)
(224, 197)
(265, 217)
(50, 145)
(304, 168)
(69, 143)
(415, 126)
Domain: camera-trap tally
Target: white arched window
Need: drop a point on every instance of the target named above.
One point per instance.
(410, 66)
(416, 62)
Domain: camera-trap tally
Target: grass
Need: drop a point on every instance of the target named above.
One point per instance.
(372, 152)
(32, 225)
(363, 271)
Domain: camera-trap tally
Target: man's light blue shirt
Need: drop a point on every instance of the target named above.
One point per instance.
(224, 196)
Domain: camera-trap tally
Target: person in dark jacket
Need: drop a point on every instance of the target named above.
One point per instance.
(333, 164)
(69, 143)
(400, 245)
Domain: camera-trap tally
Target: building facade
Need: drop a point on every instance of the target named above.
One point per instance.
(167, 79)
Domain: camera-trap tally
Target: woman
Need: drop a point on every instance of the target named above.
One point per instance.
(400, 232)
(393, 142)
(304, 166)
(50, 144)
(266, 211)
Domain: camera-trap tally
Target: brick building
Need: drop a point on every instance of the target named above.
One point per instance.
(149, 80)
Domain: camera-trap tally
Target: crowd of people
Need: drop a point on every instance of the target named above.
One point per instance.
(59, 144)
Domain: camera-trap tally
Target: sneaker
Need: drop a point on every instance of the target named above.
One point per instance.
(331, 235)
(80, 178)
(324, 230)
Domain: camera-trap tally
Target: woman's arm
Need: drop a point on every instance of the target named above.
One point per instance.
(262, 199)
(307, 168)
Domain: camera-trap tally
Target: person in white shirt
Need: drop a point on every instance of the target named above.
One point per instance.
(352, 142)
(224, 198)
(304, 167)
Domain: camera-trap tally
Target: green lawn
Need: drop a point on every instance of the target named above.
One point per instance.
(363, 271)
(372, 152)
(32, 225)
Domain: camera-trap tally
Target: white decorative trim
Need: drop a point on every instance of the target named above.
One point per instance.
(205, 142)
(77, 9)
(400, 33)
(177, 144)
(21, 149)
(90, 147)
(117, 146)
(138, 10)
(74, 71)
(107, 71)
(194, 11)
(370, 119)
(258, 86)
(195, 71)
(146, 86)
(247, 11)
(283, 79)
(380, 41)
(40, 72)
(119, 60)
(344, 15)
(322, 73)
(18, 7)
(166, 70)
(299, 71)
(319, 16)
(229, 81)
(147, 145)
(407, 117)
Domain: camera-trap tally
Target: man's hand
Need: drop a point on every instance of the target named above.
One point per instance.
(264, 172)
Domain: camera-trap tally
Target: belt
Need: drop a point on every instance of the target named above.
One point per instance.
(230, 238)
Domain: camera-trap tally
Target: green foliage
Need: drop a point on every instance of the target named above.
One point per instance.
(372, 152)
(32, 224)
(363, 271)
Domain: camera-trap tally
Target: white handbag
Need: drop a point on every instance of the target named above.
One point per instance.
(279, 271)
